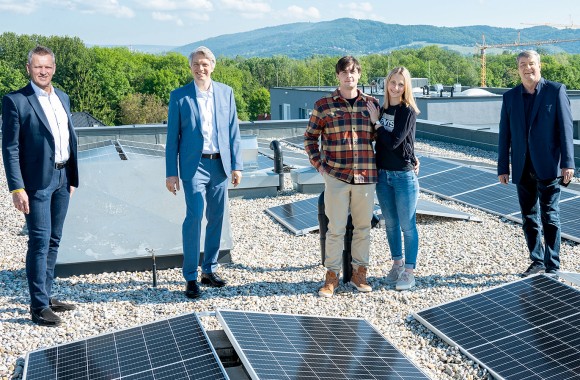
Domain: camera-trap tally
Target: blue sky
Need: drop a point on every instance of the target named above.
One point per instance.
(176, 23)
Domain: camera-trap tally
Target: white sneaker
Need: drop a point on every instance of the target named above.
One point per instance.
(406, 281)
(395, 273)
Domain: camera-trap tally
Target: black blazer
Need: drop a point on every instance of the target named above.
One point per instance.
(550, 138)
(28, 148)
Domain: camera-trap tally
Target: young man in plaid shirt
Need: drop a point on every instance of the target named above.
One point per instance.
(346, 160)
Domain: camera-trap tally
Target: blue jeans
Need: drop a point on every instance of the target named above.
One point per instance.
(398, 193)
(48, 209)
(208, 188)
(540, 206)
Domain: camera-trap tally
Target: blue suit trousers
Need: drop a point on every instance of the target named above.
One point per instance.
(207, 189)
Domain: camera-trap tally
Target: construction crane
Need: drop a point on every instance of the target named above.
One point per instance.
(485, 46)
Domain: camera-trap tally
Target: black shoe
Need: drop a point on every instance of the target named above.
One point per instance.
(192, 290)
(212, 279)
(534, 268)
(59, 306)
(45, 317)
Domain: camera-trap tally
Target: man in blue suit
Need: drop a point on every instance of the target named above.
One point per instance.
(39, 150)
(536, 125)
(203, 147)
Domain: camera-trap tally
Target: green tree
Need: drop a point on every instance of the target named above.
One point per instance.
(259, 103)
(142, 109)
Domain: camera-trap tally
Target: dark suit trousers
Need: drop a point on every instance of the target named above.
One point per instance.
(48, 209)
(540, 206)
(208, 187)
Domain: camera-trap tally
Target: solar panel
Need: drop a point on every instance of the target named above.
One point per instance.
(286, 346)
(527, 329)
(176, 348)
(457, 181)
(299, 217)
(425, 207)
(430, 166)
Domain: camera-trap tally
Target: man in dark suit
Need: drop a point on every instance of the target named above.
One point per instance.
(39, 150)
(203, 147)
(536, 125)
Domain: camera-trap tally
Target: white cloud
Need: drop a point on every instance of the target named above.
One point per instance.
(23, 7)
(107, 7)
(247, 6)
(198, 16)
(359, 10)
(303, 13)
(162, 16)
(171, 5)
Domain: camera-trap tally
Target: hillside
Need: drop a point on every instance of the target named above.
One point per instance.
(304, 39)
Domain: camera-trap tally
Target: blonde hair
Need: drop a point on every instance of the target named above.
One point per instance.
(408, 99)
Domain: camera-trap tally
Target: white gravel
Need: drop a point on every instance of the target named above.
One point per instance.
(274, 271)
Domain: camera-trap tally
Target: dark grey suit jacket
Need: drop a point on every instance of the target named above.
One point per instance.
(550, 138)
(28, 148)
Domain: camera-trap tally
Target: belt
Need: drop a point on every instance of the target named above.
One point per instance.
(211, 156)
(60, 165)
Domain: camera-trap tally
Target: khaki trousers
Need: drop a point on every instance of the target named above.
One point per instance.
(340, 198)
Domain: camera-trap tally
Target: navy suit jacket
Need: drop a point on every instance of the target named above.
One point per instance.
(550, 138)
(184, 144)
(28, 148)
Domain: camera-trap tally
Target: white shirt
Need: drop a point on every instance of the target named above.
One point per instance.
(208, 126)
(57, 120)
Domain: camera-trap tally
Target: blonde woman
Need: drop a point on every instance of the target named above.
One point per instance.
(398, 188)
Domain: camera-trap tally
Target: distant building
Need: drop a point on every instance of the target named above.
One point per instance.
(85, 119)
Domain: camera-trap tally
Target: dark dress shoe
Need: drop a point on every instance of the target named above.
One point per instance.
(45, 317)
(192, 290)
(212, 279)
(59, 306)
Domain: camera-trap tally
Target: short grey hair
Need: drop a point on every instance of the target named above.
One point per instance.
(203, 51)
(40, 50)
(528, 54)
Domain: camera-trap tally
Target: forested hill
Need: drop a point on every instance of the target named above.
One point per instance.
(362, 37)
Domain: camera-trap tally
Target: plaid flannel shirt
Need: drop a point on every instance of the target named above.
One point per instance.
(346, 136)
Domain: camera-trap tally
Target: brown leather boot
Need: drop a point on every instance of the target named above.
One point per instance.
(359, 279)
(330, 285)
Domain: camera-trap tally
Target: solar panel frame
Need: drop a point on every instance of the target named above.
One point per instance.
(289, 346)
(487, 331)
(174, 348)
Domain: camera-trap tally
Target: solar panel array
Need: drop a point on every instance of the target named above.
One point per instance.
(288, 347)
(481, 189)
(301, 217)
(172, 349)
(528, 329)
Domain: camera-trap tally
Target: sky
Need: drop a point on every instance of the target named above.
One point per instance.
(177, 23)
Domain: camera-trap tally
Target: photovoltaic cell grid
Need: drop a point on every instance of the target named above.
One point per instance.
(481, 189)
(285, 347)
(528, 329)
(172, 349)
(301, 217)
